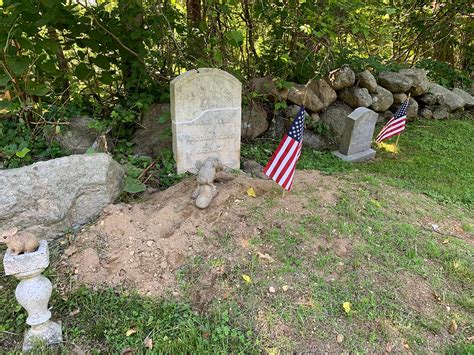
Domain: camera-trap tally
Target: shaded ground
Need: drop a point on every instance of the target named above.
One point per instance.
(401, 260)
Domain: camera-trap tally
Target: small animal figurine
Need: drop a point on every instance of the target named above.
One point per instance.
(19, 242)
(206, 190)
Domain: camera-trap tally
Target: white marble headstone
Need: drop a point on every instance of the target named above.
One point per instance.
(206, 118)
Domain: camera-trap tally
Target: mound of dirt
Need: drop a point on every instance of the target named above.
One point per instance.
(142, 246)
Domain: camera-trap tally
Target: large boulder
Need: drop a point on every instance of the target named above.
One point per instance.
(299, 94)
(356, 97)
(335, 118)
(381, 100)
(77, 137)
(446, 98)
(324, 91)
(341, 78)
(395, 82)
(467, 98)
(366, 80)
(254, 121)
(52, 197)
(420, 81)
(154, 134)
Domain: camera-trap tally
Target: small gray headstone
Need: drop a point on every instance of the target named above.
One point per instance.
(357, 136)
(206, 118)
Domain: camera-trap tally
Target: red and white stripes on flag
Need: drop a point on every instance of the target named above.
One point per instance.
(282, 164)
(396, 125)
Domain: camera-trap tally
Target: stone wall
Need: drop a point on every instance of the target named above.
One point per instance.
(330, 99)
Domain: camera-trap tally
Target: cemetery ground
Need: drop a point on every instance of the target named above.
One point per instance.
(374, 257)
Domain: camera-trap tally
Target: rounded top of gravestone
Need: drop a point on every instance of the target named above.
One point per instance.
(361, 112)
(191, 74)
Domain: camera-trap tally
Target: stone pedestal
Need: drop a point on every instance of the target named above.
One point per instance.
(357, 136)
(33, 293)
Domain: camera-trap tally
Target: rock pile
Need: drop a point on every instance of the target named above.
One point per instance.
(330, 99)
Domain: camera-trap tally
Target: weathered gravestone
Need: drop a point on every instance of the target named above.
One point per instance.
(206, 118)
(358, 130)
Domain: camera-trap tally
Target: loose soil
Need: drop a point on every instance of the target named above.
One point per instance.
(141, 246)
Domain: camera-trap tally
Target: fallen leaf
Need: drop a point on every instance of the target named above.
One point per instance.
(285, 287)
(251, 192)
(75, 312)
(456, 264)
(347, 307)
(265, 257)
(435, 227)
(271, 289)
(340, 338)
(446, 241)
(148, 342)
(131, 331)
(247, 278)
(406, 346)
(127, 351)
(389, 347)
(453, 327)
(272, 351)
(376, 203)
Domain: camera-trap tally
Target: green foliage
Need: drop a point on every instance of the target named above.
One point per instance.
(445, 74)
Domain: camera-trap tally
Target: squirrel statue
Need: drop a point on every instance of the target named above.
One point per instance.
(19, 242)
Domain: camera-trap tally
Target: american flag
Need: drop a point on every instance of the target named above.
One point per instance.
(281, 167)
(396, 125)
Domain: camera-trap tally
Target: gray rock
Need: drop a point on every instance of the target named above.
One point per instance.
(282, 121)
(412, 111)
(399, 98)
(154, 133)
(356, 97)
(381, 100)
(77, 137)
(395, 82)
(446, 98)
(254, 121)
(49, 198)
(441, 113)
(341, 78)
(425, 113)
(428, 99)
(335, 118)
(366, 80)
(421, 82)
(299, 93)
(264, 86)
(316, 141)
(324, 91)
(468, 99)
(254, 169)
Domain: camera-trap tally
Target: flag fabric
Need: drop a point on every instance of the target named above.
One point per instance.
(281, 167)
(396, 125)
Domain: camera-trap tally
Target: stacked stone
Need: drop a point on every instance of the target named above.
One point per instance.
(331, 99)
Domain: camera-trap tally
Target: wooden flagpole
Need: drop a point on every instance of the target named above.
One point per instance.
(398, 135)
